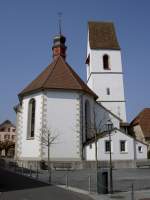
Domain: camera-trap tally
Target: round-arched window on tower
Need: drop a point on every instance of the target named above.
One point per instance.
(106, 64)
(31, 118)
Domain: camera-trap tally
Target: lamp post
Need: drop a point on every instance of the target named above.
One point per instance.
(109, 127)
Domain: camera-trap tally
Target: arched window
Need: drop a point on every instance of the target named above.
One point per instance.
(106, 62)
(87, 120)
(31, 118)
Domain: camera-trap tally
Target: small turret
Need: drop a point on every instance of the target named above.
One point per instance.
(59, 48)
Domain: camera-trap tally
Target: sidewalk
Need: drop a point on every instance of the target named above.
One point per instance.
(138, 195)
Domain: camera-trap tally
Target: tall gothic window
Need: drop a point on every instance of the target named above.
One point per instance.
(87, 120)
(106, 62)
(31, 119)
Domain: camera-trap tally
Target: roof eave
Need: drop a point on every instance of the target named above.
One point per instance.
(21, 95)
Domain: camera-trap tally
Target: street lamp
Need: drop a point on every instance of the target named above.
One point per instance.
(109, 127)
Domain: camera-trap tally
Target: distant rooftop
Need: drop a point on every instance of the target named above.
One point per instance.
(7, 123)
(143, 119)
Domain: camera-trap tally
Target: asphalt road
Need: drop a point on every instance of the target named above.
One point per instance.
(17, 187)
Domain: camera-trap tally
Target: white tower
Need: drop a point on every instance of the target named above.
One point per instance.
(104, 67)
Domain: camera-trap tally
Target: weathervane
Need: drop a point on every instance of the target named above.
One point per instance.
(60, 21)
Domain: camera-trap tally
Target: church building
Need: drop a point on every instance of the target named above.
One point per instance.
(58, 101)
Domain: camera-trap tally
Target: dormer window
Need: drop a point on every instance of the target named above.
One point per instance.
(106, 62)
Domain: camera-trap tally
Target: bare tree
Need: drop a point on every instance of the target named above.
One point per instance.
(47, 139)
(6, 145)
(1, 147)
(97, 130)
(94, 130)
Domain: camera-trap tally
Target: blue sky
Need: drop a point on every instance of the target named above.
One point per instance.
(26, 33)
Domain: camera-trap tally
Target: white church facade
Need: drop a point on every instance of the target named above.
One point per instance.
(60, 102)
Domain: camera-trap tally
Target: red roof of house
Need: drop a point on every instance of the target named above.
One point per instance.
(58, 75)
(143, 119)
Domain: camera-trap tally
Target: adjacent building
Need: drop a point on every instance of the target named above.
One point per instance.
(123, 148)
(7, 138)
(140, 126)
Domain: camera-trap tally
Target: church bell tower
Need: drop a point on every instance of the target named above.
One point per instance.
(104, 67)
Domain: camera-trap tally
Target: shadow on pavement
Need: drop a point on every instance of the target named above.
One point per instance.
(10, 181)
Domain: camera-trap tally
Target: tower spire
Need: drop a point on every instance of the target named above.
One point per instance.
(59, 47)
(60, 22)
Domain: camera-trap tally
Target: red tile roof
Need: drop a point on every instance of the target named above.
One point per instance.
(143, 119)
(58, 75)
(102, 36)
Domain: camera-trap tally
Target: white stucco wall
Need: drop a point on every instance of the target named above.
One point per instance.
(90, 152)
(102, 116)
(30, 148)
(112, 81)
(63, 118)
(139, 133)
(116, 137)
(143, 153)
(96, 58)
(118, 108)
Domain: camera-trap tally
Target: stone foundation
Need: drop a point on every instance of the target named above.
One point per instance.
(74, 165)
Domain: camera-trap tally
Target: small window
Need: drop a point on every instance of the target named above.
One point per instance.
(123, 146)
(90, 146)
(5, 137)
(108, 91)
(140, 149)
(13, 137)
(87, 60)
(106, 62)
(107, 146)
(8, 129)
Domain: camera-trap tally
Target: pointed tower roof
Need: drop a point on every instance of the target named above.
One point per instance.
(102, 36)
(58, 75)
